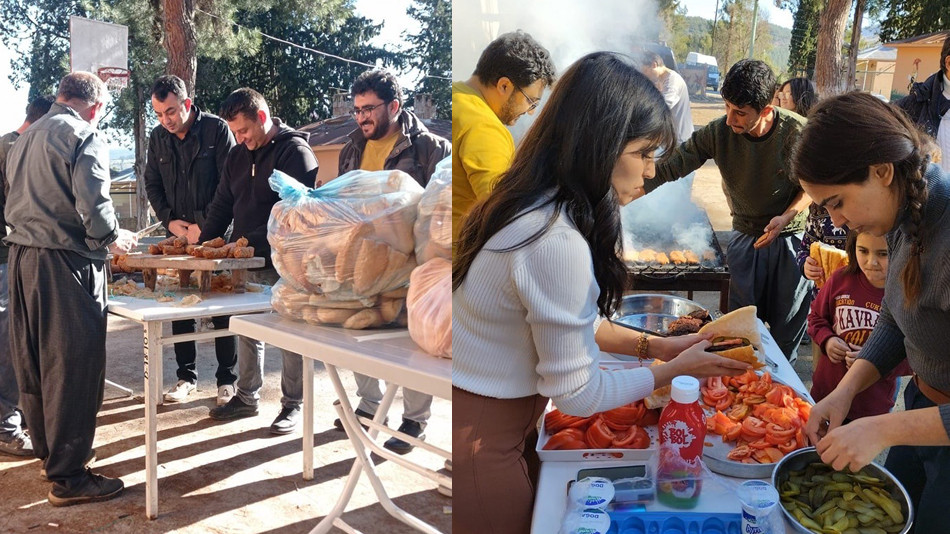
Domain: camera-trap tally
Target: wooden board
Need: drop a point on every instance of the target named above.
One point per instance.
(150, 263)
(160, 261)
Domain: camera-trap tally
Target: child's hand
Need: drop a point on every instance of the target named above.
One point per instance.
(851, 355)
(812, 270)
(836, 349)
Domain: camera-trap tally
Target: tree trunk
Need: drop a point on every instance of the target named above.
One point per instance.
(181, 41)
(140, 152)
(828, 62)
(855, 43)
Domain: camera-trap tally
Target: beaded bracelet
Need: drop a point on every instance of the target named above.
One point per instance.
(643, 342)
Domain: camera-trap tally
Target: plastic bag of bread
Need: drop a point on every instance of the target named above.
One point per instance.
(430, 307)
(382, 310)
(433, 229)
(348, 240)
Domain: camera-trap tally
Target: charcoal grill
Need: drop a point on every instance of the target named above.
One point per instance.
(708, 275)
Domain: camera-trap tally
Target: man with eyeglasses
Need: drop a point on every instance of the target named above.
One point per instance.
(508, 82)
(390, 138)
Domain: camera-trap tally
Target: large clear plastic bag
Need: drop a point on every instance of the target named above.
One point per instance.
(430, 307)
(381, 310)
(433, 229)
(350, 240)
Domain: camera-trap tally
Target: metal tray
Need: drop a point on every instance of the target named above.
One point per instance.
(714, 453)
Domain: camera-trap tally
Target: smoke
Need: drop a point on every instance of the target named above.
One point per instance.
(666, 219)
(567, 28)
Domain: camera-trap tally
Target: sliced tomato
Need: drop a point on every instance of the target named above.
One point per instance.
(599, 435)
(733, 433)
(738, 412)
(557, 420)
(624, 416)
(650, 418)
(569, 438)
(788, 446)
(634, 438)
(739, 453)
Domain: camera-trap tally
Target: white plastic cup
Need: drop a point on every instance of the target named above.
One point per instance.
(591, 493)
(759, 506)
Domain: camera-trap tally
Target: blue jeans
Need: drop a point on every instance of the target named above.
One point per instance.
(11, 420)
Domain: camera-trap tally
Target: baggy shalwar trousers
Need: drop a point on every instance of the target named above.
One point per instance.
(58, 342)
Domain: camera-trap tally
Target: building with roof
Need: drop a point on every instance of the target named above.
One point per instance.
(875, 70)
(917, 58)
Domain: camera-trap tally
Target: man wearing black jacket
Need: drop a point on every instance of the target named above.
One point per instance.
(928, 103)
(244, 197)
(186, 153)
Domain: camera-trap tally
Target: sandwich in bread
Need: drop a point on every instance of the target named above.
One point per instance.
(829, 258)
(735, 348)
(741, 324)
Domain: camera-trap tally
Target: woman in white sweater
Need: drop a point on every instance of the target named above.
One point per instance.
(537, 269)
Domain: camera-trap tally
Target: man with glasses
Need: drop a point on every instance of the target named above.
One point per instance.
(390, 138)
(508, 82)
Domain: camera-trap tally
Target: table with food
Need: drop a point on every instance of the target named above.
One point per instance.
(610, 473)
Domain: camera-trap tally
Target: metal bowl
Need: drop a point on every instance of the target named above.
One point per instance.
(653, 311)
(798, 460)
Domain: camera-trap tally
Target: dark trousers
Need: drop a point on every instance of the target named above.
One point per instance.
(58, 316)
(225, 349)
(924, 473)
(495, 466)
(770, 279)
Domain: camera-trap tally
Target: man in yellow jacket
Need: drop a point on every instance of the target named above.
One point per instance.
(508, 82)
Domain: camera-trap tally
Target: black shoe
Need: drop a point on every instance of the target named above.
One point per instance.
(286, 422)
(93, 488)
(411, 428)
(89, 460)
(18, 444)
(234, 409)
(359, 413)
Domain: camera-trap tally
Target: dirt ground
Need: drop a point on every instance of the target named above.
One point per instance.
(216, 477)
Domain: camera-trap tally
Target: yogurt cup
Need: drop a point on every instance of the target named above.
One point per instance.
(591, 493)
(759, 508)
(586, 522)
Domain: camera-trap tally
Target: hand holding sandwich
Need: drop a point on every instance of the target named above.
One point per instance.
(696, 362)
(812, 270)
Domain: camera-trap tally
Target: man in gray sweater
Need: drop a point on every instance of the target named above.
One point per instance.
(62, 225)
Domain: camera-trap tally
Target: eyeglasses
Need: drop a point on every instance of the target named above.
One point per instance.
(533, 103)
(365, 110)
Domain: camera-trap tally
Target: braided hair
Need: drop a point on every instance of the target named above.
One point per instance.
(848, 133)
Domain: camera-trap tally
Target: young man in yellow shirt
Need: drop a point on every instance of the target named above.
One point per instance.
(508, 82)
(388, 138)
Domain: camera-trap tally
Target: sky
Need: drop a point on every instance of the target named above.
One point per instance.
(391, 12)
(707, 8)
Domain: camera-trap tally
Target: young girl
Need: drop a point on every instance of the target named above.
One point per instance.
(841, 319)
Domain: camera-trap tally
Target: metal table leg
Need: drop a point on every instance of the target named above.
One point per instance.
(153, 397)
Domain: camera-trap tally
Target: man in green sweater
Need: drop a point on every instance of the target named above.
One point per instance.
(752, 146)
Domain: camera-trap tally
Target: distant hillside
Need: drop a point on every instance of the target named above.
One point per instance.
(696, 30)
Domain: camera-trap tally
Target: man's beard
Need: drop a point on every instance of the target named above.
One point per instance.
(507, 114)
(382, 128)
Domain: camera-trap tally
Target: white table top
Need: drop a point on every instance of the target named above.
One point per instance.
(388, 354)
(551, 494)
(211, 305)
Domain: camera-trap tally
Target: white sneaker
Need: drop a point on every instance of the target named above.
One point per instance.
(180, 392)
(225, 393)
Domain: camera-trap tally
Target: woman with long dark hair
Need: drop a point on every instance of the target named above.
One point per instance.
(798, 95)
(538, 264)
(867, 164)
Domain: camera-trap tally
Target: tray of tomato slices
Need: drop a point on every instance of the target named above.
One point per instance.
(627, 432)
(752, 421)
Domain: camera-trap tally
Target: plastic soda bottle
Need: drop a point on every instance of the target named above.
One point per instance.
(682, 432)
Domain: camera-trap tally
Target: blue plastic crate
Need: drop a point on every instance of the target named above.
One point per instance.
(633, 522)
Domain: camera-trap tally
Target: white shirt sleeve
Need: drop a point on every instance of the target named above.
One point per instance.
(557, 288)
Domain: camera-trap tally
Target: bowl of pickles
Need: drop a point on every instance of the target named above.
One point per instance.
(817, 499)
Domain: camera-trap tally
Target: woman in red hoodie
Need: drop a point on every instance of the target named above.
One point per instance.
(841, 319)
